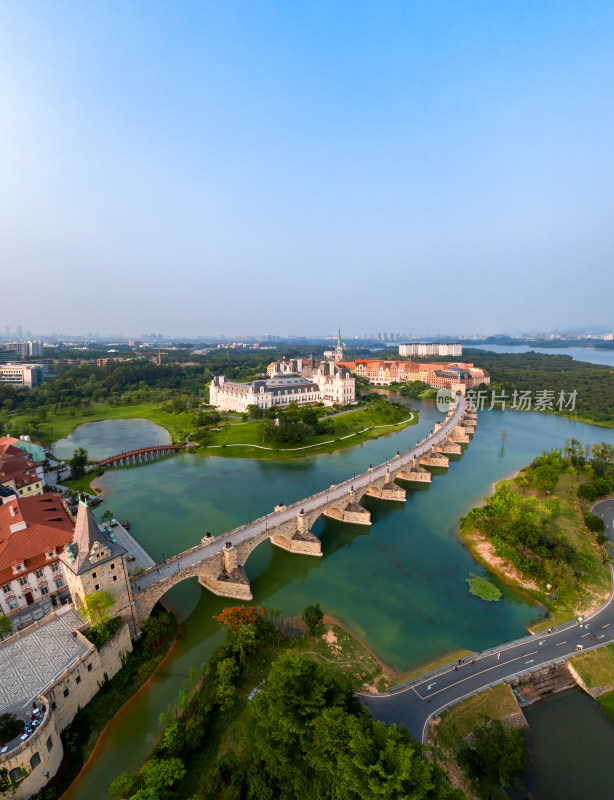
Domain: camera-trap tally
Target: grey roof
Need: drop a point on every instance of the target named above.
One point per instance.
(76, 556)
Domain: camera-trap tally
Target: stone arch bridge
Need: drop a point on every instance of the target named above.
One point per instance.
(218, 562)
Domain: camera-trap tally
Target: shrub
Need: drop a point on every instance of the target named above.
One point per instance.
(594, 523)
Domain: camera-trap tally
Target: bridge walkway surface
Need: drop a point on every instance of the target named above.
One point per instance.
(203, 552)
(429, 695)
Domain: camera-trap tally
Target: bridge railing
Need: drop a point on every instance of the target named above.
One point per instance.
(483, 653)
(297, 505)
(518, 674)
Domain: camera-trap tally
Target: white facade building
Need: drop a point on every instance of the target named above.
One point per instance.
(24, 375)
(323, 383)
(430, 349)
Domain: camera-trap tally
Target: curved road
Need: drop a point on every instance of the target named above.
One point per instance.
(415, 705)
(316, 501)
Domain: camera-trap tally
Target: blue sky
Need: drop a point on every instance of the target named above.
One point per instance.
(286, 167)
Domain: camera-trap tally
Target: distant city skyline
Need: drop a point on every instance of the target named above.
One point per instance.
(236, 167)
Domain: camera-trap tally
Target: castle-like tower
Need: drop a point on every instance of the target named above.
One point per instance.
(95, 562)
(339, 349)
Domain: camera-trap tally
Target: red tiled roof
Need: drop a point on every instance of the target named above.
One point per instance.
(48, 528)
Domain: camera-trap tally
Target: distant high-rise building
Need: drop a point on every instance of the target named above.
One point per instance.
(430, 349)
(19, 331)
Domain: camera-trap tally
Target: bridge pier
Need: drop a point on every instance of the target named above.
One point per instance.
(450, 449)
(349, 511)
(388, 490)
(459, 435)
(433, 459)
(415, 474)
(302, 541)
(231, 580)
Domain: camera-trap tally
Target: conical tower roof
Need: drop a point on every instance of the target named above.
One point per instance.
(86, 539)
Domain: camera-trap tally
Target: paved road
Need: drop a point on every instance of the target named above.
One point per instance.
(414, 705)
(202, 552)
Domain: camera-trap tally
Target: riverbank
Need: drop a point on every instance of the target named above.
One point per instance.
(565, 531)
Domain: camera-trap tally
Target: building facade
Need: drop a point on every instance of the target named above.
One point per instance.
(94, 561)
(19, 472)
(55, 670)
(301, 381)
(278, 391)
(27, 376)
(422, 349)
(435, 374)
(33, 533)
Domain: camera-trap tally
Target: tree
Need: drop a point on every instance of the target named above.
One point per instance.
(227, 672)
(6, 626)
(173, 739)
(124, 785)
(498, 754)
(97, 607)
(312, 617)
(235, 616)
(546, 478)
(107, 516)
(310, 738)
(78, 462)
(159, 776)
(594, 523)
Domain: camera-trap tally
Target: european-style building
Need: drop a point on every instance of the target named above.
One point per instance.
(33, 533)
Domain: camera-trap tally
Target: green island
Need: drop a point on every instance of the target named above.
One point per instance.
(302, 431)
(536, 533)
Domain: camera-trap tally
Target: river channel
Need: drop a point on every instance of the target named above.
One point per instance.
(399, 585)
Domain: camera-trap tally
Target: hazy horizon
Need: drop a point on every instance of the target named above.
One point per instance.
(266, 167)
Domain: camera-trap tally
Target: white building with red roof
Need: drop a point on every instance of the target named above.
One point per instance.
(33, 532)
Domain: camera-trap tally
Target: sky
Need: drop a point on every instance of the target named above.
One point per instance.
(233, 168)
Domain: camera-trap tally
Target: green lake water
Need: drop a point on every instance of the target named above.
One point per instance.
(398, 585)
(571, 742)
(111, 436)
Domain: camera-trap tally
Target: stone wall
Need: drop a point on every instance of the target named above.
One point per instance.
(44, 744)
(82, 680)
(62, 699)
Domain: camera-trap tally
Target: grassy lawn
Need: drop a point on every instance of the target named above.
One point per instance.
(64, 422)
(458, 722)
(597, 667)
(83, 484)
(581, 597)
(449, 734)
(351, 425)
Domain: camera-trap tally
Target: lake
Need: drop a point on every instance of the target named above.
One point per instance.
(398, 585)
(593, 355)
(571, 742)
(111, 436)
